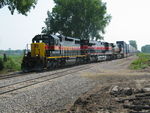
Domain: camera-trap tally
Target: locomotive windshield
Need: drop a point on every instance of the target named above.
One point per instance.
(40, 39)
(47, 39)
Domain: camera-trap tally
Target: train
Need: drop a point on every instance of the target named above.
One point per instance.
(53, 51)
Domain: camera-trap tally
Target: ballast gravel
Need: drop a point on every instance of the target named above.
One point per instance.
(48, 97)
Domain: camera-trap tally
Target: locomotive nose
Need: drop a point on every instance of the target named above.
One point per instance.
(38, 49)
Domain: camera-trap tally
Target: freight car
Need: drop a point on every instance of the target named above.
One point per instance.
(51, 51)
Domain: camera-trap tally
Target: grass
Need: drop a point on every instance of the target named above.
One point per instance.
(142, 62)
(13, 63)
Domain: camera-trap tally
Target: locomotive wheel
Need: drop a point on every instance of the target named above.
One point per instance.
(62, 62)
(78, 61)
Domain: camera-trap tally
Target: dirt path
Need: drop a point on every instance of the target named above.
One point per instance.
(120, 90)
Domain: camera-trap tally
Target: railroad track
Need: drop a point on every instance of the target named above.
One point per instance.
(20, 73)
(16, 74)
(30, 82)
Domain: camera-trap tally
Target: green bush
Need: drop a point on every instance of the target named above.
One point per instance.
(142, 62)
(1, 64)
(12, 64)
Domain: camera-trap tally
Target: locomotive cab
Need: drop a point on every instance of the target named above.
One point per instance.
(44, 45)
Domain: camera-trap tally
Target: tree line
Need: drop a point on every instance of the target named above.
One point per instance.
(11, 52)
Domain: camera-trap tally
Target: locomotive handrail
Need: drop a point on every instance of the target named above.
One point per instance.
(27, 49)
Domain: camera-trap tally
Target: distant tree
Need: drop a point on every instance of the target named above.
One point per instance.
(78, 18)
(146, 49)
(22, 6)
(133, 43)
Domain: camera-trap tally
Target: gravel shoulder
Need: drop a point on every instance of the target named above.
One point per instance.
(59, 95)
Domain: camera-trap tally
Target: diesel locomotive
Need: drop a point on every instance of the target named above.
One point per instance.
(51, 51)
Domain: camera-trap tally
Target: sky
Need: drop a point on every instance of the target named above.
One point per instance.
(130, 21)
